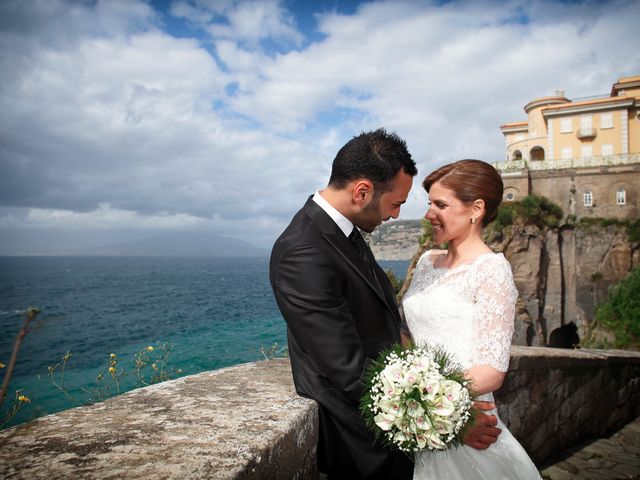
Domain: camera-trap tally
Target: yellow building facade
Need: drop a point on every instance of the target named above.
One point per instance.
(584, 154)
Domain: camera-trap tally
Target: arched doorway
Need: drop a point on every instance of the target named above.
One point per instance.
(517, 155)
(536, 153)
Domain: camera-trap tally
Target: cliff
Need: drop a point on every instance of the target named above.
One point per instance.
(396, 239)
(561, 273)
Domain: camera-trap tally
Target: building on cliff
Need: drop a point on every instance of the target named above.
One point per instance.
(583, 154)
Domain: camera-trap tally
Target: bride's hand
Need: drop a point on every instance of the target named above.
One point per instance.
(484, 431)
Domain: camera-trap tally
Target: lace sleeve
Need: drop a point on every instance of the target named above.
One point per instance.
(495, 299)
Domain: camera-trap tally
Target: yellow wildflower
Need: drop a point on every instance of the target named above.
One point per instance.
(149, 348)
(24, 399)
(154, 366)
(2, 365)
(112, 370)
(113, 355)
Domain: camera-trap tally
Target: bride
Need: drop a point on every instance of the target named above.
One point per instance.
(463, 299)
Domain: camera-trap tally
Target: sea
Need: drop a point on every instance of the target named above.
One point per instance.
(209, 312)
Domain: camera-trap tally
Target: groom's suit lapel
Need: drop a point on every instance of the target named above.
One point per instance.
(336, 238)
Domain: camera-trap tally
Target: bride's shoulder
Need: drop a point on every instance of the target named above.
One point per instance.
(430, 257)
(496, 262)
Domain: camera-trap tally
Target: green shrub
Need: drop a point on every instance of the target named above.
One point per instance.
(505, 217)
(427, 232)
(620, 312)
(395, 282)
(531, 210)
(633, 229)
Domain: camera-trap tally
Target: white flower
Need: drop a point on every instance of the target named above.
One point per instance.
(414, 409)
(388, 386)
(385, 420)
(393, 372)
(423, 362)
(421, 440)
(390, 406)
(411, 378)
(430, 387)
(452, 390)
(444, 407)
(423, 423)
(400, 437)
(442, 425)
(434, 441)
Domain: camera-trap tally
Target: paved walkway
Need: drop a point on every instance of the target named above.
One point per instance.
(613, 458)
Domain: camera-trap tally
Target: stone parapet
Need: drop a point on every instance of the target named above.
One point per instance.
(243, 422)
(246, 422)
(553, 398)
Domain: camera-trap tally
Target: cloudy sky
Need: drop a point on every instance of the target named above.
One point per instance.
(124, 119)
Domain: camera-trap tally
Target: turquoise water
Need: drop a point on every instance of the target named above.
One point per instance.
(215, 312)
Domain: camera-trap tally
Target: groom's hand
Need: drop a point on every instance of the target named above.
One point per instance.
(484, 431)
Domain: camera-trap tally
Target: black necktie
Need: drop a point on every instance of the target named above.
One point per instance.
(363, 249)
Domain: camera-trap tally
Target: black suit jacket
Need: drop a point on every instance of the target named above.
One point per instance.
(339, 318)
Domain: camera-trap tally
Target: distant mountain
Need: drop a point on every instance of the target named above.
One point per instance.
(180, 244)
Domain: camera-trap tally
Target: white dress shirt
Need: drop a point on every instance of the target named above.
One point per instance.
(343, 222)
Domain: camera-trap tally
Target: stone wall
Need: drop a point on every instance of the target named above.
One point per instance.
(246, 422)
(566, 187)
(555, 398)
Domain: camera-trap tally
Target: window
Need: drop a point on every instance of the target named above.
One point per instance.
(567, 152)
(587, 151)
(606, 120)
(606, 149)
(585, 122)
(621, 197)
(509, 197)
(588, 199)
(565, 125)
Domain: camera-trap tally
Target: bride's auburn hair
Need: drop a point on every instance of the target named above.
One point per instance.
(471, 180)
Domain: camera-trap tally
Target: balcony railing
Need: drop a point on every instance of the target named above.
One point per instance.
(557, 164)
(586, 133)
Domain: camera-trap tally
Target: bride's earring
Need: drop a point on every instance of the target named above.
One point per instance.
(473, 220)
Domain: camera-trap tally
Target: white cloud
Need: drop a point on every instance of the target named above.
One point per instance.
(232, 123)
(244, 21)
(107, 218)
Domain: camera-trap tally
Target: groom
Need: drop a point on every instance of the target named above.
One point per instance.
(339, 306)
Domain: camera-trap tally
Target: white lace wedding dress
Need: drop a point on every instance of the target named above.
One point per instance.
(469, 310)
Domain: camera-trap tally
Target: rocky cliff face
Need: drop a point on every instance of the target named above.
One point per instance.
(561, 274)
(396, 240)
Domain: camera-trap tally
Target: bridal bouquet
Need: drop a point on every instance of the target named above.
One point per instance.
(417, 399)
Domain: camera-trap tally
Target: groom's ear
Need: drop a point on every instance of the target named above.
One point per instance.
(362, 192)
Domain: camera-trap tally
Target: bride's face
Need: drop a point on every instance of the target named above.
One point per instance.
(449, 217)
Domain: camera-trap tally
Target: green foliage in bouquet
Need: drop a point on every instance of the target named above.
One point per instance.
(417, 398)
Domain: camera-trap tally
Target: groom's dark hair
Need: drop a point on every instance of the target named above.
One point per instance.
(377, 156)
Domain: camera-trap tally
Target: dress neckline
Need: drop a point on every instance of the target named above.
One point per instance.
(459, 266)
